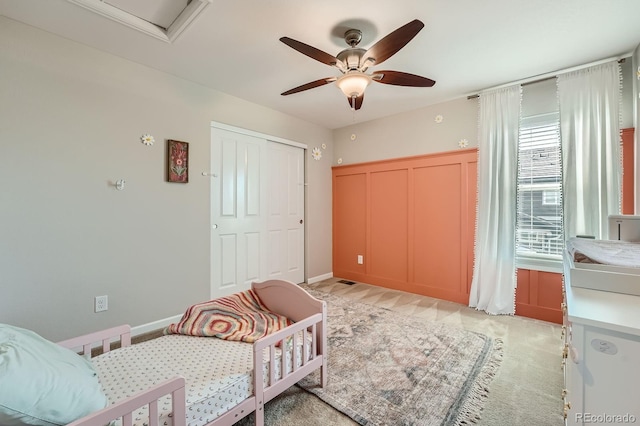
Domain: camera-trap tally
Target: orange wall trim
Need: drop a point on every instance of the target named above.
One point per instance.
(539, 295)
(628, 179)
(411, 219)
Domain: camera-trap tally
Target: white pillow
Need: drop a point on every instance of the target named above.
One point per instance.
(42, 383)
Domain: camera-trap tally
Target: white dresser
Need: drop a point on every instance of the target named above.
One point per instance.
(601, 356)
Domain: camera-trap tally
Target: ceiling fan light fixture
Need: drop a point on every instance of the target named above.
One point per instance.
(353, 63)
(353, 83)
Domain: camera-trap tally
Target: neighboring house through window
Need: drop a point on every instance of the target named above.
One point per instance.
(539, 220)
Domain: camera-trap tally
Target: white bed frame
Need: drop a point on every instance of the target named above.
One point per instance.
(282, 297)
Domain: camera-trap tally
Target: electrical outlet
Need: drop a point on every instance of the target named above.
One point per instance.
(360, 259)
(101, 303)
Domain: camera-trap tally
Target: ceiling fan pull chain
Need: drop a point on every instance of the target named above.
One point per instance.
(353, 108)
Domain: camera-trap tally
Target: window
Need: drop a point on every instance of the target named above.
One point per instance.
(539, 220)
(551, 197)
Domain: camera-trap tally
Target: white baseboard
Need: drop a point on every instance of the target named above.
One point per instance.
(319, 278)
(155, 325)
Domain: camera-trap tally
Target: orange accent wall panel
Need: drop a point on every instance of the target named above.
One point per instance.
(437, 231)
(539, 295)
(387, 250)
(470, 220)
(628, 179)
(420, 222)
(349, 220)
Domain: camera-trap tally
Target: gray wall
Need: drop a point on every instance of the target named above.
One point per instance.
(411, 133)
(417, 132)
(71, 119)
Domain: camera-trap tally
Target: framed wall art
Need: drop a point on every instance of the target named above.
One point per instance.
(178, 156)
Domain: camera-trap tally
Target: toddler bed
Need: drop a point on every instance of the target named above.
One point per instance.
(179, 379)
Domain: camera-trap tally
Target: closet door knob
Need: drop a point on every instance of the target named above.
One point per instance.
(301, 221)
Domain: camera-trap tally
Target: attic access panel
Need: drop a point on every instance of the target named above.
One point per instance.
(159, 12)
(162, 19)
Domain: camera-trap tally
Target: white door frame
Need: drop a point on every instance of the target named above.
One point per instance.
(230, 128)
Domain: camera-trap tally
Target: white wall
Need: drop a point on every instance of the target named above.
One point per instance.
(71, 118)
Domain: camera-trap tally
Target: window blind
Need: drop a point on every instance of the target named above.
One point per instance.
(539, 188)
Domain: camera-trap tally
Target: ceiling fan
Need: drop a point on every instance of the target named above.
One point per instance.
(354, 61)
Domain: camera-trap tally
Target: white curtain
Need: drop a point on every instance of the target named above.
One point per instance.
(590, 133)
(494, 272)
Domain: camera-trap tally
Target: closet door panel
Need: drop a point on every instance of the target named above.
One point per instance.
(257, 209)
(285, 212)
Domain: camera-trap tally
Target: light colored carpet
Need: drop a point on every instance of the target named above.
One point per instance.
(386, 368)
(525, 391)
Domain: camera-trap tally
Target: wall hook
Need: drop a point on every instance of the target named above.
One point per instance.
(209, 174)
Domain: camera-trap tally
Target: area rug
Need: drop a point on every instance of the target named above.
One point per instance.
(385, 368)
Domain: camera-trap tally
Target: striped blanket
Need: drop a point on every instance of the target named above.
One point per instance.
(240, 317)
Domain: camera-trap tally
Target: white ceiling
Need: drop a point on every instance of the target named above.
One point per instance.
(466, 46)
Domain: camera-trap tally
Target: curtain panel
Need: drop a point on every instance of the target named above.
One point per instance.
(494, 272)
(589, 102)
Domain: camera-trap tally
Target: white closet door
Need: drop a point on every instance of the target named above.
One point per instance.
(238, 208)
(285, 218)
(257, 211)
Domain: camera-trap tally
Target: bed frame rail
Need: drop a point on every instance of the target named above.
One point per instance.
(125, 408)
(286, 340)
(85, 343)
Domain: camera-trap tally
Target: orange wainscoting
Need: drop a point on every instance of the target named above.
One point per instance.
(628, 180)
(539, 295)
(411, 219)
(413, 222)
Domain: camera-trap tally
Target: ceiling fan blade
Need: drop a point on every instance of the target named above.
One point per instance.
(393, 42)
(312, 52)
(356, 102)
(398, 78)
(310, 85)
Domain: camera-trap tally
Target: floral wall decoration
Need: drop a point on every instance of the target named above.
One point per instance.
(316, 153)
(178, 164)
(147, 139)
(463, 143)
(438, 118)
